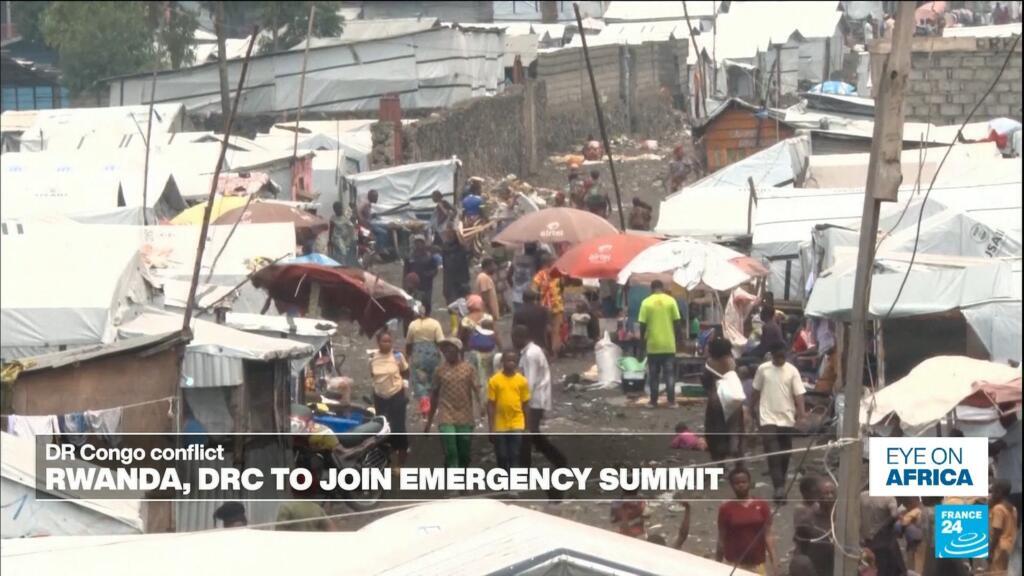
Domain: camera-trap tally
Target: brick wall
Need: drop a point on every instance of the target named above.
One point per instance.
(949, 76)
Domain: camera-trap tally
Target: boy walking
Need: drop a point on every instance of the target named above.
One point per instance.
(507, 397)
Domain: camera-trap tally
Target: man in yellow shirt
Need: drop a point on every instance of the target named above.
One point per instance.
(507, 397)
(660, 324)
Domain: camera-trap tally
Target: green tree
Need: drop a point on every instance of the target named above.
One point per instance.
(287, 23)
(27, 16)
(97, 40)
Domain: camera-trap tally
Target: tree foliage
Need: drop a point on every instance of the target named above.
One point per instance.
(287, 23)
(26, 16)
(96, 40)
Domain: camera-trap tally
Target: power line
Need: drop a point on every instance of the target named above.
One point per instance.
(924, 202)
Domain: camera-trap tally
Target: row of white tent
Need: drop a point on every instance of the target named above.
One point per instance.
(966, 250)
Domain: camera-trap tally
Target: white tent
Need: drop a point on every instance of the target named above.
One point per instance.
(935, 284)
(403, 190)
(66, 285)
(450, 538)
(777, 166)
(24, 516)
(64, 128)
(92, 185)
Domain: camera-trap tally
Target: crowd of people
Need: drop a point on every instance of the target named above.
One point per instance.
(466, 373)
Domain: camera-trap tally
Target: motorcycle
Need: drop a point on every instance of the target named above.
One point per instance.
(364, 446)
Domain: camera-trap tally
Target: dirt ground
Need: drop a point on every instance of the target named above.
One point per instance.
(609, 410)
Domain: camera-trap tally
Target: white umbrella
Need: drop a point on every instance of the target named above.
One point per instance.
(694, 264)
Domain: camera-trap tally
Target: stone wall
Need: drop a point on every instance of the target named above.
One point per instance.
(949, 76)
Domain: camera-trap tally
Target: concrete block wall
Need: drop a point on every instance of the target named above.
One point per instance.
(569, 116)
(949, 79)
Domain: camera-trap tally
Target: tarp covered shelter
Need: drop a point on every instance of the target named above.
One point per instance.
(64, 129)
(434, 68)
(23, 515)
(934, 388)
(93, 186)
(66, 285)
(403, 191)
(449, 538)
(778, 165)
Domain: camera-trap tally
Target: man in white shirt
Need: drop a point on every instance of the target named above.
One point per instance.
(779, 400)
(533, 363)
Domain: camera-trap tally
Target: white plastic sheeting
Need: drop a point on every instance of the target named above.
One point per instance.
(430, 69)
(402, 190)
(998, 324)
(655, 11)
(107, 187)
(66, 285)
(776, 165)
(706, 212)
(933, 389)
(22, 515)
(64, 128)
(171, 250)
(947, 284)
(448, 538)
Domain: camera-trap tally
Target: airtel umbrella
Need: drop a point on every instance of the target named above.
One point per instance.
(307, 226)
(555, 226)
(694, 264)
(603, 257)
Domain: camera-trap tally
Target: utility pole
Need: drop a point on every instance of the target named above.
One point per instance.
(884, 178)
(600, 118)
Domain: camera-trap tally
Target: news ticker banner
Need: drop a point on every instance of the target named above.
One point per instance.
(938, 467)
(287, 466)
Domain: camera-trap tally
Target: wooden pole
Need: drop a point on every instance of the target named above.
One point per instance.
(750, 206)
(883, 182)
(149, 134)
(302, 89)
(222, 62)
(700, 62)
(205, 228)
(600, 119)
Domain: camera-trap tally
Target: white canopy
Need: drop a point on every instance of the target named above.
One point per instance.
(23, 516)
(933, 389)
(776, 165)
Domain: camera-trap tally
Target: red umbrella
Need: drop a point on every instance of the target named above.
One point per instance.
(362, 297)
(307, 226)
(604, 256)
(555, 226)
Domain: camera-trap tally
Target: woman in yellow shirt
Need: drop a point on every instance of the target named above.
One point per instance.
(388, 369)
(507, 397)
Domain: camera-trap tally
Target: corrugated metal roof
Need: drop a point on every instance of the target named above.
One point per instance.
(996, 31)
(86, 353)
(655, 11)
(211, 338)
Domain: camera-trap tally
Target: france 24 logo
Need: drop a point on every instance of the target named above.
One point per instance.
(961, 531)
